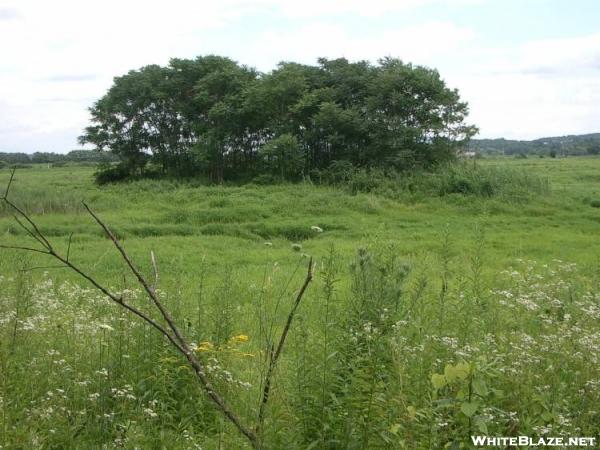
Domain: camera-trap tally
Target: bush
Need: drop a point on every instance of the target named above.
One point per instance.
(595, 203)
(365, 180)
(265, 179)
(339, 172)
(110, 174)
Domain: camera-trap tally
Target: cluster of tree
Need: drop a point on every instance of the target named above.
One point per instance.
(585, 144)
(74, 156)
(213, 116)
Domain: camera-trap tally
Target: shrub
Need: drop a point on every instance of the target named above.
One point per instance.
(265, 179)
(339, 172)
(110, 174)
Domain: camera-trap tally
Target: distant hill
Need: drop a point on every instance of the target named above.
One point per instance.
(584, 144)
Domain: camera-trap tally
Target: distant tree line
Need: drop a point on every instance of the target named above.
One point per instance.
(74, 156)
(576, 145)
(215, 117)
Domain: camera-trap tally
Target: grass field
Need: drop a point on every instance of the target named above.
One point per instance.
(431, 317)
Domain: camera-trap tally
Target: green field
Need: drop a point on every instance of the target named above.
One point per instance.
(431, 318)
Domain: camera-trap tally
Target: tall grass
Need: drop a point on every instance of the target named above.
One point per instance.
(38, 200)
(465, 178)
(369, 366)
(433, 330)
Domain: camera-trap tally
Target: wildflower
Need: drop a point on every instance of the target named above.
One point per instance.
(317, 229)
(238, 339)
(205, 346)
(104, 326)
(150, 413)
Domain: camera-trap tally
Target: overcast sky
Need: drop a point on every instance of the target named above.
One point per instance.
(527, 68)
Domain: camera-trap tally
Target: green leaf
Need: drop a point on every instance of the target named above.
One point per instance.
(469, 408)
(479, 387)
(481, 425)
(498, 393)
(445, 403)
(438, 380)
(459, 371)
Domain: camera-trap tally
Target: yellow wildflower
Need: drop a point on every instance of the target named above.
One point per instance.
(239, 339)
(205, 346)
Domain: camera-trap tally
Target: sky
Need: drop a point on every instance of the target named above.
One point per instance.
(527, 68)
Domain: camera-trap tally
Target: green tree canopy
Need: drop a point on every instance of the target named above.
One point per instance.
(215, 117)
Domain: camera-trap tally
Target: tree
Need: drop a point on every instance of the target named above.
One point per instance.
(210, 115)
(283, 157)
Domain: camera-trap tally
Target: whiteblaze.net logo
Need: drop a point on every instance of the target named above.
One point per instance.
(503, 441)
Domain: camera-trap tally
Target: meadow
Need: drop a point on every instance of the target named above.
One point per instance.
(432, 316)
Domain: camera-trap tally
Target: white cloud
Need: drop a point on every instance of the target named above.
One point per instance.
(319, 8)
(420, 44)
(551, 57)
(57, 57)
(540, 88)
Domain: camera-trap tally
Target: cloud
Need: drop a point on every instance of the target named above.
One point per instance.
(9, 14)
(63, 53)
(58, 56)
(552, 57)
(329, 8)
(67, 78)
(540, 88)
(418, 43)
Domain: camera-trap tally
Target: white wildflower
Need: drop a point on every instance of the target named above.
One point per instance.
(150, 413)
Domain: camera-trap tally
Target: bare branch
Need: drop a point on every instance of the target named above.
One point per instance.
(149, 290)
(119, 300)
(154, 269)
(12, 175)
(36, 230)
(29, 232)
(27, 249)
(69, 246)
(182, 343)
(29, 269)
(274, 355)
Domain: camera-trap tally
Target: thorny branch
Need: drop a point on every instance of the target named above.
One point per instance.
(174, 336)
